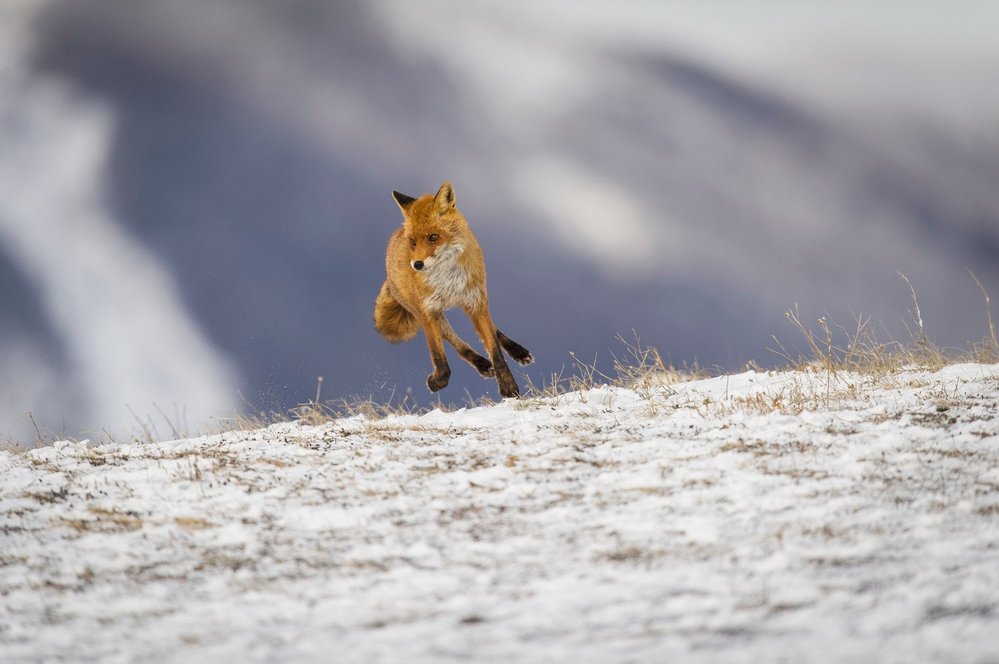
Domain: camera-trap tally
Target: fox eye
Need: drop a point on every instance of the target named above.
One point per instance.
(433, 237)
(412, 242)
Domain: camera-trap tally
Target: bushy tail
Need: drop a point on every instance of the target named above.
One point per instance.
(391, 319)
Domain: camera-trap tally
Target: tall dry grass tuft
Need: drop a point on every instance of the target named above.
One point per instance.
(638, 367)
(643, 367)
(859, 350)
(986, 350)
(317, 413)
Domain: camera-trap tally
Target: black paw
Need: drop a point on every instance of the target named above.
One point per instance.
(517, 352)
(438, 381)
(514, 350)
(523, 357)
(484, 366)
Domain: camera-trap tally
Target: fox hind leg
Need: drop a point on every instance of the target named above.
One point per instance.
(467, 353)
(515, 350)
(392, 320)
(483, 323)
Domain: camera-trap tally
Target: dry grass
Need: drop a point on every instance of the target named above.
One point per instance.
(639, 367)
(103, 520)
(858, 349)
(839, 365)
(316, 413)
(193, 523)
(986, 351)
(842, 363)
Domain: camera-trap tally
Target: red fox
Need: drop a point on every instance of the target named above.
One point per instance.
(434, 263)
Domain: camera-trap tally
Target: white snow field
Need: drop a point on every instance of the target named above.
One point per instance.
(760, 517)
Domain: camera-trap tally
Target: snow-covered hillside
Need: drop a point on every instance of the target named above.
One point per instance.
(759, 517)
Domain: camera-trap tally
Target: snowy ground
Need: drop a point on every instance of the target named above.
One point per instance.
(757, 517)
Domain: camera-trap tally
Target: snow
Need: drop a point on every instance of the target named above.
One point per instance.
(787, 516)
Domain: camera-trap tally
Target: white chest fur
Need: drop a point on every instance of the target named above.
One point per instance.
(448, 281)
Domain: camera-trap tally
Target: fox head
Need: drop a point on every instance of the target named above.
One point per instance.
(431, 226)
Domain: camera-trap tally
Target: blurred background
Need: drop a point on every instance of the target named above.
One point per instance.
(194, 197)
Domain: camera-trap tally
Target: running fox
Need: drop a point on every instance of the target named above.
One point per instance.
(434, 263)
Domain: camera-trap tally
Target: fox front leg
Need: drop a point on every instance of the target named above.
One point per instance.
(438, 380)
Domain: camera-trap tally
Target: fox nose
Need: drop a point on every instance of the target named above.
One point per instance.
(417, 265)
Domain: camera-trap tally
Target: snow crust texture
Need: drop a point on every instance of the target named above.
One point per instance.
(793, 516)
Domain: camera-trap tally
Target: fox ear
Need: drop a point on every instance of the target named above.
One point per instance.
(402, 200)
(444, 200)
